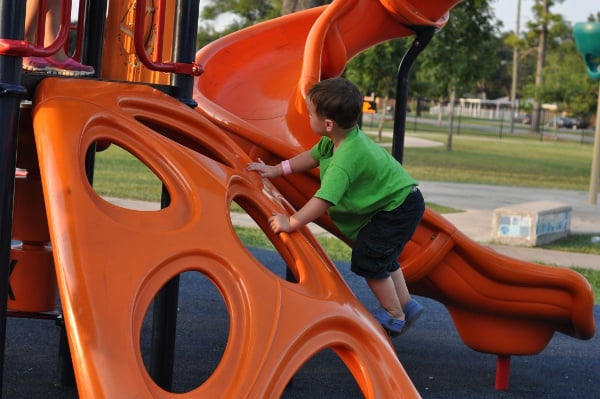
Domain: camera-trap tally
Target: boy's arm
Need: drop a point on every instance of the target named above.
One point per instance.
(314, 208)
(300, 163)
(303, 162)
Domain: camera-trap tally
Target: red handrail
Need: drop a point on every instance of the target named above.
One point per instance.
(138, 39)
(78, 28)
(24, 48)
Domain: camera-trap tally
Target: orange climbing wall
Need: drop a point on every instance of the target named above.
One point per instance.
(112, 261)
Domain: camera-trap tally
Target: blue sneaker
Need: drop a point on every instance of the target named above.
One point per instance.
(391, 325)
(412, 311)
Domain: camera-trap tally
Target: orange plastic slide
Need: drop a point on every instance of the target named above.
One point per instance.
(254, 85)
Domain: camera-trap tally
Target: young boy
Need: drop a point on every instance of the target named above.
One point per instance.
(366, 192)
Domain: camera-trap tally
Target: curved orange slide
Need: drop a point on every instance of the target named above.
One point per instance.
(253, 87)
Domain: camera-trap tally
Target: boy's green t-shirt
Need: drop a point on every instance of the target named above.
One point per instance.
(359, 179)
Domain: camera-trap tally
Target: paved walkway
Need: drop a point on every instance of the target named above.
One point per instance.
(479, 201)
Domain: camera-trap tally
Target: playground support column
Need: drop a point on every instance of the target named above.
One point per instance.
(184, 47)
(12, 26)
(424, 34)
(595, 172)
(95, 24)
(165, 306)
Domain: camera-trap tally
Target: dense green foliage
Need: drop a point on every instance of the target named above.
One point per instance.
(472, 56)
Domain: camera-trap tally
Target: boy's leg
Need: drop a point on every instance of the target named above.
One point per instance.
(400, 287)
(385, 292)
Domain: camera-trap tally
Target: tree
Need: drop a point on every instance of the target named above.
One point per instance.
(375, 69)
(461, 55)
(242, 13)
(567, 84)
(499, 82)
(541, 10)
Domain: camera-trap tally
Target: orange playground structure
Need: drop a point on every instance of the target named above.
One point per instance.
(196, 120)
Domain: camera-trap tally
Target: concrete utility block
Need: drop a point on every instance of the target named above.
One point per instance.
(531, 223)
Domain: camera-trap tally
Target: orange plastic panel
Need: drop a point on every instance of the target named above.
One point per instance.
(32, 281)
(111, 261)
(29, 215)
(119, 60)
(32, 277)
(499, 305)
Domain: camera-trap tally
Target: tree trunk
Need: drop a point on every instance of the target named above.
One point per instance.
(541, 61)
(451, 118)
(382, 119)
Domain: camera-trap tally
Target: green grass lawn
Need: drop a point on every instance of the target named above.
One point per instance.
(515, 161)
(508, 161)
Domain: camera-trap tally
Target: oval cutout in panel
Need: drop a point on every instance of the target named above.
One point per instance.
(201, 332)
(118, 174)
(187, 140)
(322, 376)
(244, 216)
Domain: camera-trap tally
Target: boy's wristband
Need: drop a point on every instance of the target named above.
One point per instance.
(285, 166)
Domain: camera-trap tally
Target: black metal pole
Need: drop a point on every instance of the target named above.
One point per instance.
(12, 26)
(94, 25)
(164, 320)
(164, 327)
(184, 47)
(424, 34)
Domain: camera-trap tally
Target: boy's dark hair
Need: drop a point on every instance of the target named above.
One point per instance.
(337, 99)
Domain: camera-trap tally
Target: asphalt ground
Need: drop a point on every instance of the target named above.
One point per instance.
(432, 353)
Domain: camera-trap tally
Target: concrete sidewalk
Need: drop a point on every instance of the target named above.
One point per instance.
(478, 202)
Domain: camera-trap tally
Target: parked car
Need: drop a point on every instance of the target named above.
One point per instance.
(523, 118)
(578, 123)
(560, 121)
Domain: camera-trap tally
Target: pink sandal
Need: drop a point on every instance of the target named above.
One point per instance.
(69, 67)
(35, 64)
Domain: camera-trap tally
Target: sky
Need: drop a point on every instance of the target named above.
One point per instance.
(572, 10)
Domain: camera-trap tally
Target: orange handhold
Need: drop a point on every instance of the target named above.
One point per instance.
(275, 325)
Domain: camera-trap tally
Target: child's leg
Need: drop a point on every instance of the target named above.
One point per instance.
(400, 287)
(385, 292)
